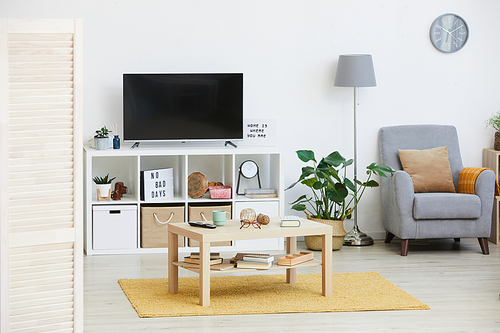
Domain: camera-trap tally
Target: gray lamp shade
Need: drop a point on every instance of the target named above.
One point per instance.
(355, 70)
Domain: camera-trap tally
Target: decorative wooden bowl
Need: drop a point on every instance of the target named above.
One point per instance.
(197, 185)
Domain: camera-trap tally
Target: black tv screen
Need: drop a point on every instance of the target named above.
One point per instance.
(182, 107)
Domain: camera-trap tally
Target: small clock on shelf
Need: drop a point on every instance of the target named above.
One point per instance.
(248, 169)
(449, 33)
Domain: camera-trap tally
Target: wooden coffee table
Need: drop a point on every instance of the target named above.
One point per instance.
(231, 231)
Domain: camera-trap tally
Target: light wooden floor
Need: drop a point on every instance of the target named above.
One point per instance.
(460, 285)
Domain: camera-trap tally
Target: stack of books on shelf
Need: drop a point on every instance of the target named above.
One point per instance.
(194, 258)
(216, 262)
(255, 261)
(259, 193)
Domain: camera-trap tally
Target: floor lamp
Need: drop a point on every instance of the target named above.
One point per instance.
(355, 70)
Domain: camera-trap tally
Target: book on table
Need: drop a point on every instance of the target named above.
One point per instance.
(261, 196)
(254, 265)
(216, 267)
(196, 255)
(239, 256)
(290, 221)
(221, 267)
(254, 191)
(257, 258)
(214, 261)
(255, 261)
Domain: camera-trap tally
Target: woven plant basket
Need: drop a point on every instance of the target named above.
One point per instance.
(497, 141)
(338, 234)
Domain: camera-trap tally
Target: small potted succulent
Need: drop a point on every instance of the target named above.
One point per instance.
(103, 186)
(101, 138)
(494, 121)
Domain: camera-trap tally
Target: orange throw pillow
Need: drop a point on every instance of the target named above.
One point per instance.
(429, 169)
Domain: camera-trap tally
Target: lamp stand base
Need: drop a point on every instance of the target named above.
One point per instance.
(357, 238)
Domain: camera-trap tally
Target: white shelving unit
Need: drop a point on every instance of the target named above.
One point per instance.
(220, 164)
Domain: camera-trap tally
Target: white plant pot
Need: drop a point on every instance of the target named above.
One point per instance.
(101, 143)
(103, 189)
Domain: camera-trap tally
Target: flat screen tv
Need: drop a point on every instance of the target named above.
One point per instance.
(182, 107)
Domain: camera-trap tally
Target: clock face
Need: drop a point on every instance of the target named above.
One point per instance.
(449, 33)
(249, 169)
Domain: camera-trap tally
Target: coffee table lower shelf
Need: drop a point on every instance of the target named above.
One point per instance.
(310, 263)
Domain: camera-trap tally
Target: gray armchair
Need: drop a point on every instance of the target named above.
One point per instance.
(410, 215)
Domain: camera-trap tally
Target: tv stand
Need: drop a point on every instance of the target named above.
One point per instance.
(217, 163)
(135, 145)
(230, 143)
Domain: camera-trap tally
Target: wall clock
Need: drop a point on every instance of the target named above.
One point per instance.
(248, 169)
(449, 33)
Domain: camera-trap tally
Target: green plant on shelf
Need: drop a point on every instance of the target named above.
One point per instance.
(102, 133)
(103, 180)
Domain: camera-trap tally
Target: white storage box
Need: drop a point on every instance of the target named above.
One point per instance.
(157, 185)
(114, 227)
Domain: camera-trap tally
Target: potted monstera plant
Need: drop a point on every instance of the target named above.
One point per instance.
(494, 121)
(333, 195)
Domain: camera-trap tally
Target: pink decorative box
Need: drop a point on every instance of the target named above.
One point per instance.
(220, 192)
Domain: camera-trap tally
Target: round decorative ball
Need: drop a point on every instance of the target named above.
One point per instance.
(263, 219)
(248, 214)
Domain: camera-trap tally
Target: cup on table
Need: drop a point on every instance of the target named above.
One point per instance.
(220, 216)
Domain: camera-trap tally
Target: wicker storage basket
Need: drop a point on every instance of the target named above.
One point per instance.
(154, 232)
(497, 141)
(203, 213)
(315, 242)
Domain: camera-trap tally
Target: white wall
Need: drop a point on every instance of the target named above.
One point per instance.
(288, 51)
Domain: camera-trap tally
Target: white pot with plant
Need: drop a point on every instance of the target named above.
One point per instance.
(494, 121)
(101, 138)
(103, 186)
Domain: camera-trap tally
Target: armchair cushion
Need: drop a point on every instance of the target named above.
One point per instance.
(437, 206)
(429, 169)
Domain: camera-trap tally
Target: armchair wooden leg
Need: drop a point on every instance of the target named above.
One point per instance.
(388, 237)
(483, 242)
(405, 243)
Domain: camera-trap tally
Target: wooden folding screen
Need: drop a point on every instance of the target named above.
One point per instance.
(41, 193)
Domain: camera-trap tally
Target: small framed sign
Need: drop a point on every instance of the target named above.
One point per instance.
(157, 185)
(259, 132)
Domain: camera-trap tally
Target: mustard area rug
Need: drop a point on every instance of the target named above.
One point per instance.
(254, 294)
